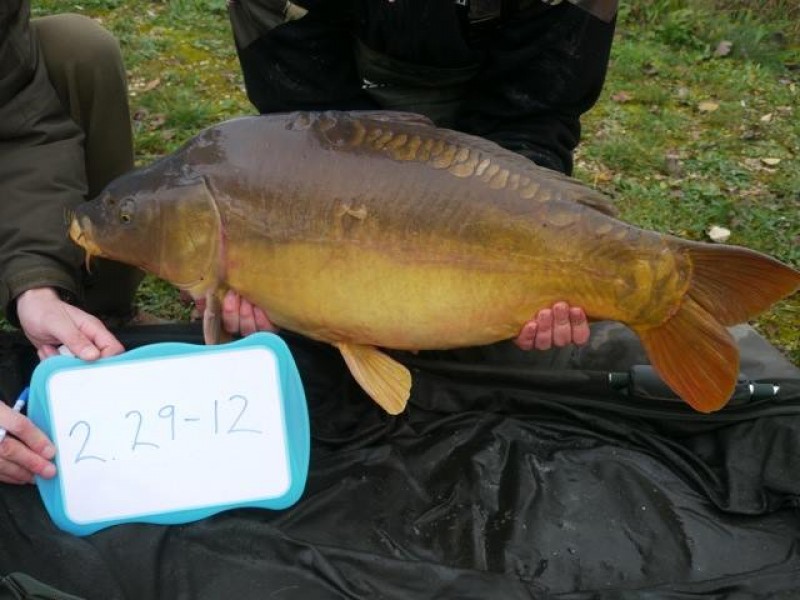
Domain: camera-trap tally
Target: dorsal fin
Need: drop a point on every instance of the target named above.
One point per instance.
(569, 188)
(385, 116)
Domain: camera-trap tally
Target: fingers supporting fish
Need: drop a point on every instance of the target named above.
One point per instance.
(557, 327)
(562, 328)
(231, 319)
(527, 336)
(262, 320)
(563, 325)
(544, 331)
(580, 326)
(242, 317)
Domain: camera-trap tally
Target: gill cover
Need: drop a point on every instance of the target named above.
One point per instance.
(190, 232)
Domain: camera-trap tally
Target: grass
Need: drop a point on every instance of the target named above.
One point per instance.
(697, 126)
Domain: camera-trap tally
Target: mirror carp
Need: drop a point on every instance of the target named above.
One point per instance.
(371, 230)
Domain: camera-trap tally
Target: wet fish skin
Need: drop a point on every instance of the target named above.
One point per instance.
(370, 230)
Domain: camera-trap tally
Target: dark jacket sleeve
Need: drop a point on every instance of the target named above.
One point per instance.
(42, 171)
(543, 70)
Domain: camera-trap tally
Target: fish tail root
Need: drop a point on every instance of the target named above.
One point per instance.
(692, 351)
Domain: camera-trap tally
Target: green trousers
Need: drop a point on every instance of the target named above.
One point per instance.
(85, 66)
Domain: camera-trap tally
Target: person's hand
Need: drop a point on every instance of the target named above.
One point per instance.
(25, 451)
(557, 326)
(240, 316)
(49, 322)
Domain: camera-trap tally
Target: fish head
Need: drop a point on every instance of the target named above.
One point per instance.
(167, 226)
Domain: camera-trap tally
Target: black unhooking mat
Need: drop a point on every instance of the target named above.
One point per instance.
(511, 476)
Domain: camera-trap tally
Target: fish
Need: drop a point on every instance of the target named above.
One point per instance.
(376, 231)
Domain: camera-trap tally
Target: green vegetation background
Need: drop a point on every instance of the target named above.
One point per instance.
(698, 125)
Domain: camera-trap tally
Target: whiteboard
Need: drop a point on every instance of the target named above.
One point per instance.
(163, 434)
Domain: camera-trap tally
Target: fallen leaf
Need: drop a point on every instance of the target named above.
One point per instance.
(723, 48)
(707, 106)
(766, 118)
(603, 177)
(151, 85)
(719, 234)
(621, 97)
(770, 162)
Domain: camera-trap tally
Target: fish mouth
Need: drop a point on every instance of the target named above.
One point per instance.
(80, 231)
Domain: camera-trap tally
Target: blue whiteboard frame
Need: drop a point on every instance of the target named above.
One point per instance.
(295, 425)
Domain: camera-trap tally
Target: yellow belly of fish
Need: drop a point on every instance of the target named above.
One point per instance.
(348, 294)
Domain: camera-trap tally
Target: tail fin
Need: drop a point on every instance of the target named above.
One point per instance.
(736, 284)
(695, 356)
(692, 351)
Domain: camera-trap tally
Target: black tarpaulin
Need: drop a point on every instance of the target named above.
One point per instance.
(511, 476)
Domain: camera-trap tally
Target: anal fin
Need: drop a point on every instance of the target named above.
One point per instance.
(383, 378)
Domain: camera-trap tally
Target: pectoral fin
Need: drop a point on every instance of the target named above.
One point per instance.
(213, 332)
(383, 378)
